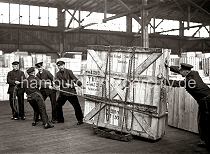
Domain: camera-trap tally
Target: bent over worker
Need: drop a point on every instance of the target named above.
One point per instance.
(65, 79)
(195, 86)
(31, 86)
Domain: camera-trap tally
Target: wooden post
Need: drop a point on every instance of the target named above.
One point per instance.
(154, 26)
(209, 31)
(144, 27)
(61, 25)
(128, 24)
(79, 18)
(105, 10)
(61, 19)
(181, 28)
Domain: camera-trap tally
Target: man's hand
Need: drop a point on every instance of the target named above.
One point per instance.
(17, 82)
(50, 87)
(79, 83)
(166, 64)
(68, 85)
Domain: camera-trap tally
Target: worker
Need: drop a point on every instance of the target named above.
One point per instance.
(47, 79)
(31, 85)
(200, 92)
(14, 79)
(65, 79)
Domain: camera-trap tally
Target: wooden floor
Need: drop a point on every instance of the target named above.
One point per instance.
(20, 137)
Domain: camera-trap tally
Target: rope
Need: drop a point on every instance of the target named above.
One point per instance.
(14, 100)
(103, 101)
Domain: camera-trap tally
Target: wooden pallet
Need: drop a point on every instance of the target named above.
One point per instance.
(112, 134)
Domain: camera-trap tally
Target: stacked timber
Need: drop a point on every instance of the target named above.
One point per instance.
(182, 109)
(124, 90)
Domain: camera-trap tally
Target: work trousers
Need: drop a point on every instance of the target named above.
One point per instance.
(52, 95)
(17, 111)
(204, 120)
(37, 102)
(75, 103)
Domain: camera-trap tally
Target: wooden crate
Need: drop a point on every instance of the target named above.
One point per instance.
(182, 109)
(138, 109)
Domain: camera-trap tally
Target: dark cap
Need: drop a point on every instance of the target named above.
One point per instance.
(60, 62)
(15, 63)
(38, 65)
(185, 66)
(31, 69)
(174, 69)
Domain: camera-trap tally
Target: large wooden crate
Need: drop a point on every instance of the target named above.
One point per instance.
(182, 109)
(140, 108)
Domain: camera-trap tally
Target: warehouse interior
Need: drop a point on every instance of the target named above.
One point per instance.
(50, 30)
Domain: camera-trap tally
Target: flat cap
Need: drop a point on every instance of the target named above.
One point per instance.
(31, 69)
(186, 66)
(60, 62)
(15, 63)
(174, 69)
(38, 65)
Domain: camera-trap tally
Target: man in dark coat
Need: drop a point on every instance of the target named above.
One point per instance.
(65, 79)
(31, 86)
(14, 79)
(201, 93)
(47, 79)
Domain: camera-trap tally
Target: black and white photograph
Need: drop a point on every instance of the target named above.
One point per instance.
(105, 76)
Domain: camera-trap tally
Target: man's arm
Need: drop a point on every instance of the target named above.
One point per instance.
(76, 81)
(9, 79)
(174, 83)
(50, 76)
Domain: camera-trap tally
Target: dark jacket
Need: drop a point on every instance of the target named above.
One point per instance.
(31, 84)
(193, 84)
(66, 76)
(12, 76)
(46, 78)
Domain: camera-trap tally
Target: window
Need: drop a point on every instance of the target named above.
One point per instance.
(34, 15)
(4, 13)
(43, 16)
(14, 13)
(53, 17)
(24, 14)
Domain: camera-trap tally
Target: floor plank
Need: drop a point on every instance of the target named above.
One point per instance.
(20, 137)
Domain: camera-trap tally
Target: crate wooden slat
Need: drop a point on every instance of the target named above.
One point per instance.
(182, 109)
(146, 91)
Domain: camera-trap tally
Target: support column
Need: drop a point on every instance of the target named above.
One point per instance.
(144, 27)
(61, 19)
(61, 26)
(128, 24)
(181, 28)
(209, 31)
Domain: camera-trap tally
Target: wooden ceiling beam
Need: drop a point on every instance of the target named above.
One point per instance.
(128, 9)
(179, 29)
(121, 15)
(198, 7)
(195, 12)
(71, 18)
(197, 31)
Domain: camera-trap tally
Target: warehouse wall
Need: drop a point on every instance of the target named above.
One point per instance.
(49, 39)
